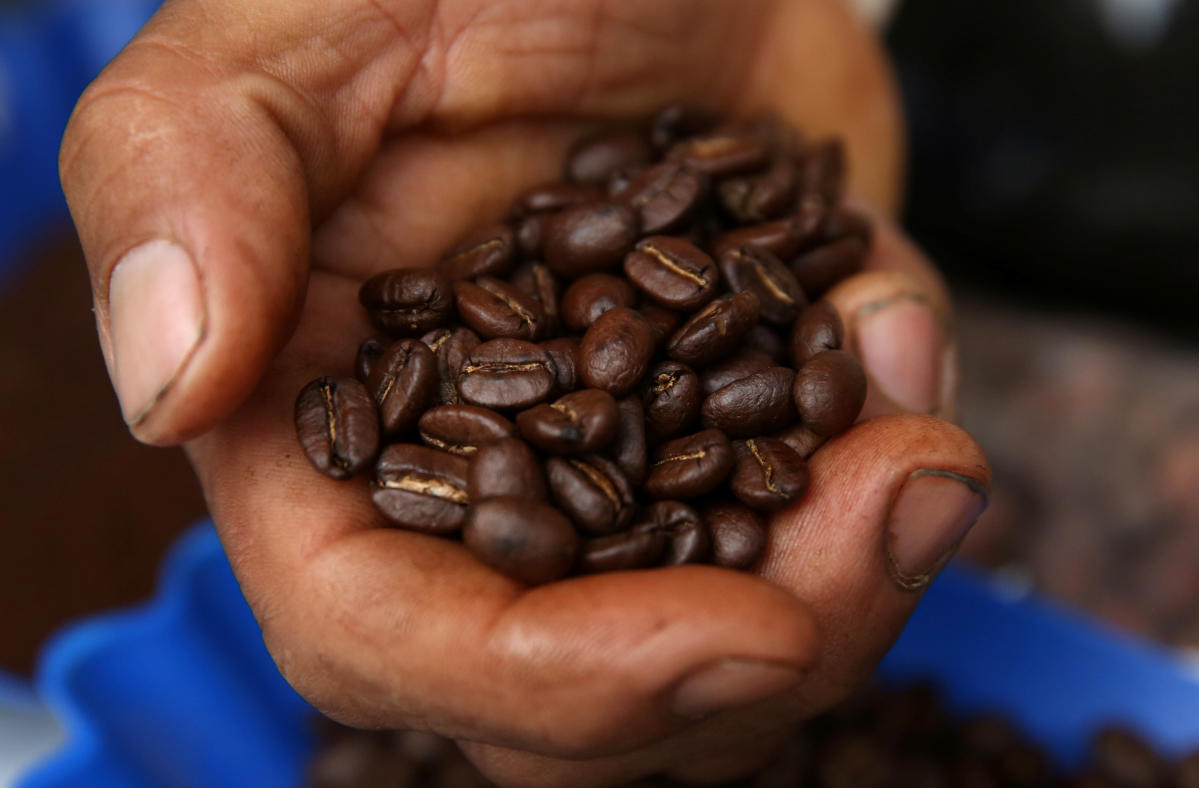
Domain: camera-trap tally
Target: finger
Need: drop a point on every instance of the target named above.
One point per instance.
(898, 322)
(387, 628)
(889, 502)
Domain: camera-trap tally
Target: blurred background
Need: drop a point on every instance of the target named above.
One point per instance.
(1054, 175)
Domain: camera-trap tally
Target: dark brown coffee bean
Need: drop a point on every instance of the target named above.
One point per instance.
(769, 476)
(451, 349)
(526, 540)
(738, 535)
(587, 238)
(765, 339)
(673, 272)
(554, 196)
(505, 467)
(843, 222)
(595, 158)
(829, 392)
(749, 268)
(506, 374)
(802, 440)
(721, 153)
(677, 121)
(421, 489)
(822, 171)
(687, 538)
(784, 238)
(485, 252)
(592, 491)
(496, 308)
(818, 270)
(755, 405)
(462, 429)
(714, 331)
(337, 424)
(817, 329)
(619, 180)
(735, 367)
(622, 551)
(403, 383)
(536, 281)
(672, 399)
(371, 349)
(564, 352)
(579, 423)
(529, 234)
(662, 322)
(590, 296)
(407, 301)
(767, 195)
(616, 351)
(1123, 756)
(629, 450)
(691, 466)
(664, 196)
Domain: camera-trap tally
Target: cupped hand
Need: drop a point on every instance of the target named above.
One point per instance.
(241, 168)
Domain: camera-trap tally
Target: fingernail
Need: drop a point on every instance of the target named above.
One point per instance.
(902, 348)
(934, 511)
(156, 320)
(728, 684)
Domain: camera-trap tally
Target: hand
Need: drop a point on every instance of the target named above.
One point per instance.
(240, 168)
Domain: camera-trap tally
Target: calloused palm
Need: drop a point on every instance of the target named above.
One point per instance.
(293, 149)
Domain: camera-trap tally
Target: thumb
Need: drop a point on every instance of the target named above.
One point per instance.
(189, 175)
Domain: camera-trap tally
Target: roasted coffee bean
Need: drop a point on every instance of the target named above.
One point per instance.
(769, 476)
(691, 466)
(738, 535)
(451, 349)
(403, 383)
(421, 489)
(767, 195)
(677, 121)
(822, 171)
(818, 270)
(755, 405)
(595, 158)
(505, 467)
(554, 196)
(496, 308)
(506, 374)
(817, 329)
(593, 491)
(529, 233)
(784, 238)
(587, 238)
(338, 426)
(735, 367)
(619, 180)
(712, 332)
(407, 301)
(371, 349)
(1126, 758)
(802, 440)
(749, 268)
(765, 339)
(526, 540)
(721, 153)
(843, 222)
(829, 392)
(622, 551)
(462, 429)
(485, 252)
(672, 399)
(616, 351)
(687, 538)
(629, 450)
(665, 196)
(535, 280)
(564, 352)
(579, 423)
(662, 322)
(673, 272)
(590, 296)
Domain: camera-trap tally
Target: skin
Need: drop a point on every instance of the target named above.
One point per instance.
(294, 148)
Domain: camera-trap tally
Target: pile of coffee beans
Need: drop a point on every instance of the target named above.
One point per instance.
(630, 371)
(881, 738)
